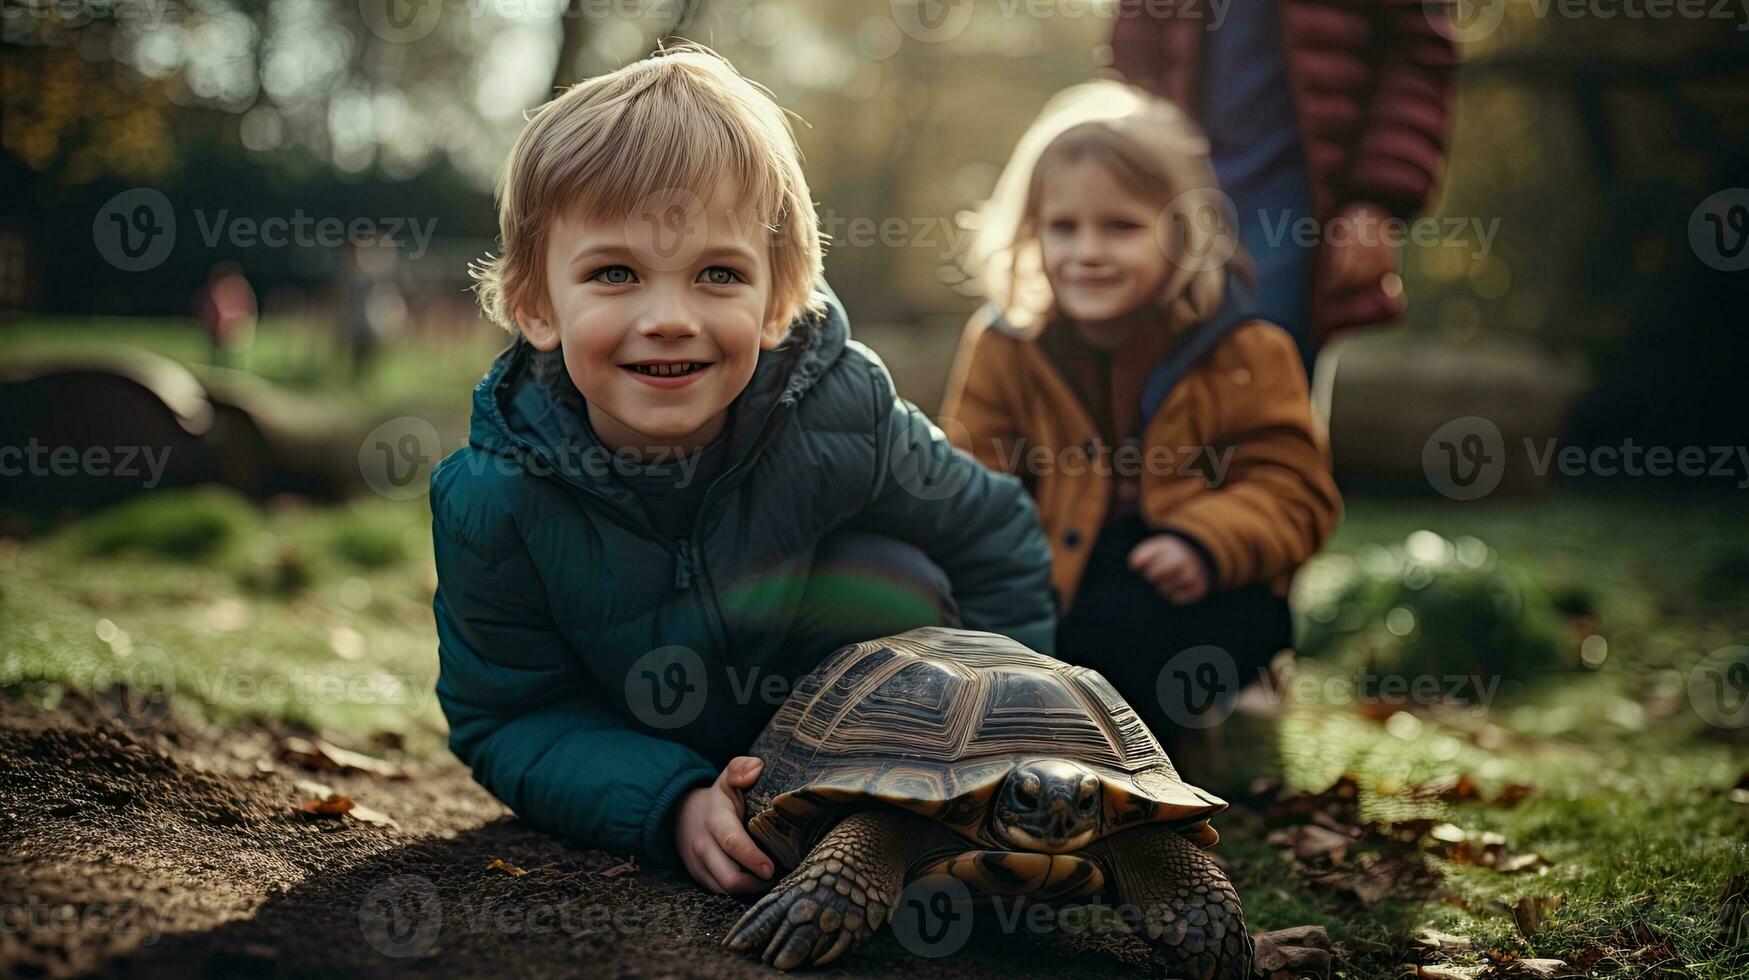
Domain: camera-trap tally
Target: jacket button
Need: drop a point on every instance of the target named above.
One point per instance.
(1072, 538)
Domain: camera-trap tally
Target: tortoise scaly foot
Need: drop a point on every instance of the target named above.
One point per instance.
(1187, 910)
(838, 896)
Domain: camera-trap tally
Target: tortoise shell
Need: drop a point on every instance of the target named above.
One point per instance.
(931, 721)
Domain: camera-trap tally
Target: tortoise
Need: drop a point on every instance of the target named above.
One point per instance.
(951, 752)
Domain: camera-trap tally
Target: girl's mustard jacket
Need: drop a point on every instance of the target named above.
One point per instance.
(1234, 459)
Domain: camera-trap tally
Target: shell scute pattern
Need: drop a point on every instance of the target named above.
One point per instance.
(932, 721)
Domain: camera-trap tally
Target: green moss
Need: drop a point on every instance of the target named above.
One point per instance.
(183, 525)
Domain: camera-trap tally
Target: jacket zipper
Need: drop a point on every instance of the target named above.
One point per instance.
(683, 556)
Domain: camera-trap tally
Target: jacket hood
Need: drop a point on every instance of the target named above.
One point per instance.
(528, 409)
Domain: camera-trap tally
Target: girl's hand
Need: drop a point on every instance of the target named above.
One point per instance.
(711, 837)
(1171, 566)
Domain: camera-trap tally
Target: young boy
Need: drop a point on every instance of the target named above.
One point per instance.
(684, 485)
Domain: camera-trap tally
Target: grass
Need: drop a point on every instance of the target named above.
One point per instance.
(1631, 806)
(320, 617)
(298, 353)
(331, 608)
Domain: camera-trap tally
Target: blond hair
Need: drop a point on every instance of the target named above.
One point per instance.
(1153, 149)
(681, 121)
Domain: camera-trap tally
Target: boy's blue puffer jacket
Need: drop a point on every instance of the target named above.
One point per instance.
(592, 670)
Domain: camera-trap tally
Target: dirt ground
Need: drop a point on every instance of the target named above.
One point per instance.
(177, 852)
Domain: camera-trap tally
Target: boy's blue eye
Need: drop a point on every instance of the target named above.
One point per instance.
(614, 275)
(721, 275)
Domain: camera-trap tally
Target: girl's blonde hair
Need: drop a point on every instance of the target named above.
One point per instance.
(683, 121)
(1152, 148)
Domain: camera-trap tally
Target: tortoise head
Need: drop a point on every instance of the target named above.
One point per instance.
(1048, 806)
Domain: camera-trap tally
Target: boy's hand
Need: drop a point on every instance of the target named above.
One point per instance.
(711, 837)
(1171, 566)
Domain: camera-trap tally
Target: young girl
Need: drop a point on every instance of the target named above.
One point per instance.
(1166, 436)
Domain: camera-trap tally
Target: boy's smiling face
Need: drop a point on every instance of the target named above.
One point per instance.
(661, 316)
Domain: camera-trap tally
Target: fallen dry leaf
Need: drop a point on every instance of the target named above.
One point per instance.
(1531, 914)
(1534, 969)
(1514, 794)
(1302, 951)
(1445, 973)
(314, 753)
(1309, 842)
(1444, 943)
(1453, 788)
(626, 867)
(499, 864)
(370, 816)
(1484, 849)
(333, 805)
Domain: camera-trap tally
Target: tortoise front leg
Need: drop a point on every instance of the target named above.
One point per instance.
(1188, 911)
(838, 896)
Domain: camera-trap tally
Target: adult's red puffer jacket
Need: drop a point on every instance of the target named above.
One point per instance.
(1371, 87)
